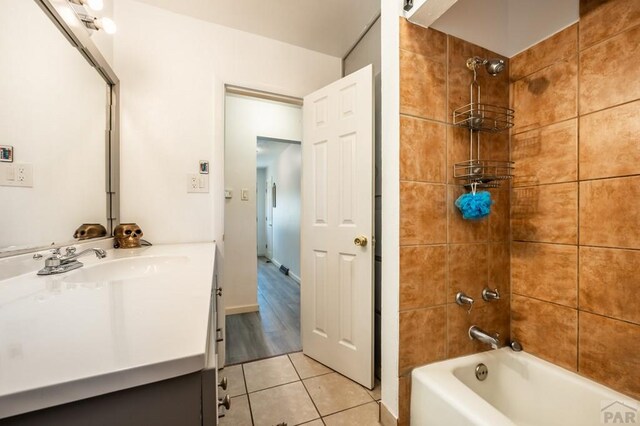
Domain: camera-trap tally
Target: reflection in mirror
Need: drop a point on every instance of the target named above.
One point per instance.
(53, 113)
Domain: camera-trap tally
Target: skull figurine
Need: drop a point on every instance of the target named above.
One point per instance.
(128, 235)
(87, 231)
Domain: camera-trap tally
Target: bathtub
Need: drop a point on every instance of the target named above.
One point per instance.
(519, 389)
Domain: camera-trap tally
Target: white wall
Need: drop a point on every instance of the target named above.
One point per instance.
(285, 172)
(246, 119)
(173, 69)
(53, 112)
(261, 189)
(391, 206)
(366, 52)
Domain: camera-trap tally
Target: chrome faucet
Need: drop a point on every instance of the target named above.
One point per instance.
(477, 333)
(58, 263)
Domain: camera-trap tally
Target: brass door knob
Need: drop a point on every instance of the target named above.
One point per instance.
(360, 241)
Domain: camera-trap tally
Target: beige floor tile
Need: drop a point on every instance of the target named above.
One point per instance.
(308, 367)
(239, 414)
(235, 379)
(269, 372)
(288, 404)
(364, 415)
(316, 422)
(375, 392)
(333, 392)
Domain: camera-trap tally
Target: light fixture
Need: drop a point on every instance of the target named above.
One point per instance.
(105, 24)
(92, 4)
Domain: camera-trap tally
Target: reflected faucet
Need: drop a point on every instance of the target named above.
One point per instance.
(58, 264)
(477, 333)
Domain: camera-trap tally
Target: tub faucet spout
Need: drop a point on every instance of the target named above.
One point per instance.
(477, 333)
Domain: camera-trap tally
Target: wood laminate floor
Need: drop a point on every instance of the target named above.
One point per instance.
(275, 329)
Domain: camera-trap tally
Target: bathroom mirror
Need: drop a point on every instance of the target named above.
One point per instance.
(58, 127)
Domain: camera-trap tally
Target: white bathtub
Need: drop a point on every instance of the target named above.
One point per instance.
(520, 389)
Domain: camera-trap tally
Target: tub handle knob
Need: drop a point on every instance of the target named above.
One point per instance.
(462, 299)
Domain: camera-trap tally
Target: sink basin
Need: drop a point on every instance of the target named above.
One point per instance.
(127, 268)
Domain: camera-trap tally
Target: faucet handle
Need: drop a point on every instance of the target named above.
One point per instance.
(55, 252)
(463, 299)
(70, 250)
(488, 295)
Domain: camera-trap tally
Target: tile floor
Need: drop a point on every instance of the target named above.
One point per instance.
(296, 390)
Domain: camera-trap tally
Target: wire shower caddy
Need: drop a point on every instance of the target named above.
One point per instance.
(479, 117)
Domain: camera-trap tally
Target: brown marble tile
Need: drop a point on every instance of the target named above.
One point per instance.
(500, 268)
(546, 213)
(546, 330)
(609, 142)
(609, 283)
(609, 353)
(559, 46)
(545, 271)
(423, 41)
(468, 270)
(422, 150)
(422, 87)
(600, 19)
(423, 274)
(404, 400)
(422, 337)
(494, 89)
(462, 230)
(608, 212)
(546, 155)
(499, 219)
(546, 96)
(423, 213)
(608, 75)
(491, 317)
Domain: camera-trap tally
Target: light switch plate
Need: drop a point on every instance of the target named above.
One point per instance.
(244, 195)
(16, 174)
(197, 183)
(228, 194)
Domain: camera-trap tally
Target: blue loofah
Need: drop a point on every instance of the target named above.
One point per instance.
(474, 206)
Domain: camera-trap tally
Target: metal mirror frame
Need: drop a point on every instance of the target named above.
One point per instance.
(62, 15)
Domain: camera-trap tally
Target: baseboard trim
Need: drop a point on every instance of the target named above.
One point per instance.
(386, 418)
(291, 274)
(242, 309)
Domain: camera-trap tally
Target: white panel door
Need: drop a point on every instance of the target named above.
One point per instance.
(337, 289)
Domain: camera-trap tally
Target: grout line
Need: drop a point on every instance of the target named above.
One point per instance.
(609, 37)
(578, 181)
(578, 200)
(247, 394)
(350, 408)
(546, 301)
(576, 245)
(609, 107)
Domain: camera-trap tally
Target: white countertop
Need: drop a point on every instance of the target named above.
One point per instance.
(65, 337)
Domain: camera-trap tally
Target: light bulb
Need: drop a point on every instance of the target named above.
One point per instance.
(107, 25)
(94, 4)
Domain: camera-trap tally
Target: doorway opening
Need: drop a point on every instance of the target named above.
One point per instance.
(263, 158)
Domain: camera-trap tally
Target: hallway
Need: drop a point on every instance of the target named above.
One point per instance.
(275, 329)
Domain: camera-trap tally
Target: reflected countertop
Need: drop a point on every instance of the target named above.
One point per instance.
(135, 317)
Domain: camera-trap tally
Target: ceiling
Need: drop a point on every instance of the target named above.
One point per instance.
(327, 26)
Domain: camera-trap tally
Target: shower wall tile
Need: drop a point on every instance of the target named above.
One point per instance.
(427, 42)
(600, 19)
(423, 212)
(500, 268)
(422, 337)
(547, 272)
(609, 352)
(468, 269)
(404, 400)
(553, 49)
(609, 142)
(423, 276)
(423, 147)
(423, 88)
(460, 230)
(546, 330)
(608, 79)
(609, 213)
(493, 318)
(546, 155)
(545, 213)
(546, 96)
(609, 283)
(499, 227)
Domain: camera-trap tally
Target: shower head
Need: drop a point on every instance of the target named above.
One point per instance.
(493, 66)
